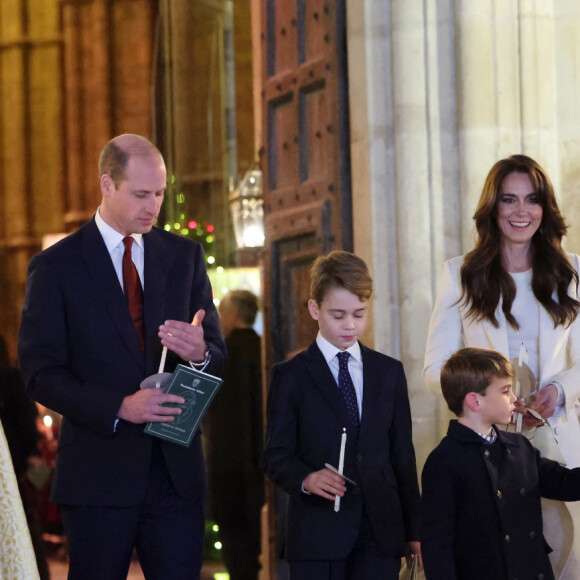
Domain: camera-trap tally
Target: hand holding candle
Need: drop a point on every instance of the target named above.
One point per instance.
(340, 465)
(197, 320)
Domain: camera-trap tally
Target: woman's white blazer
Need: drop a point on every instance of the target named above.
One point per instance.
(559, 350)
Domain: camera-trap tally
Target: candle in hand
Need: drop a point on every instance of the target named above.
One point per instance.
(340, 465)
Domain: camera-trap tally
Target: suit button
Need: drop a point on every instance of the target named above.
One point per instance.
(532, 535)
(359, 457)
(486, 453)
(507, 538)
(523, 491)
(498, 494)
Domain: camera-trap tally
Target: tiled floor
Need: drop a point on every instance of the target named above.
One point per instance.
(59, 570)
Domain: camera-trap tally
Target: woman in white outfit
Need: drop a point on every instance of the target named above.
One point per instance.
(517, 293)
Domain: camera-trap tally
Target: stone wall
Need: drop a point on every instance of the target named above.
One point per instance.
(439, 92)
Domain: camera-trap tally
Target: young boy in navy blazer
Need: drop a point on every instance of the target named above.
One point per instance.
(375, 520)
(482, 516)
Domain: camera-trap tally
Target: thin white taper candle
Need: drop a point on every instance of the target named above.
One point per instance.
(161, 366)
(340, 464)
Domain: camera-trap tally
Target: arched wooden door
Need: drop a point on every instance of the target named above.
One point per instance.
(306, 165)
(304, 157)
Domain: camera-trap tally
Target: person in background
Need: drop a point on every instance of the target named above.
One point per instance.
(481, 511)
(336, 405)
(21, 547)
(235, 440)
(516, 292)
(99, 306)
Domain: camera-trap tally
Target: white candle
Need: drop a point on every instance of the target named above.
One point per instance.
(519, 415)
(340, 465)
(163, 357)
(161, 366)
(523, 357)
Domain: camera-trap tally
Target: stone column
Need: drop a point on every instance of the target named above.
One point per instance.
(403, 147)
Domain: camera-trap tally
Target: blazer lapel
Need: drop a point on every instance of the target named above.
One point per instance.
(323, 379)
(551, 344)
(485, 335)
(102, 271)
(157, 262)
(370, 402)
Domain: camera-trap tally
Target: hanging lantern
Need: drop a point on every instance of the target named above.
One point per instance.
(246, 206)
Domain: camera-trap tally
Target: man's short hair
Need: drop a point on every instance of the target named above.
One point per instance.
(116, 153)
(471, 370)
(245, 303)
(340, 269)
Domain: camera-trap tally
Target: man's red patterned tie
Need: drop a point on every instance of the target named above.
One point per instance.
(133, 289)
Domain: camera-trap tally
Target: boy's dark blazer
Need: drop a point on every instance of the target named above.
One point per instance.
(482, 516)
(80, 356)
(306, 415)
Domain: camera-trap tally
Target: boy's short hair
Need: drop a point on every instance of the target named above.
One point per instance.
(471, 370)
(340, 269)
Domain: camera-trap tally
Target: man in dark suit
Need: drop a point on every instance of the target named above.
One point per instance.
(235, 439)
(84, 349)
(336, 529)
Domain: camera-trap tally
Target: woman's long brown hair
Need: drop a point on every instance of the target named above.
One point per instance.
(485, 281)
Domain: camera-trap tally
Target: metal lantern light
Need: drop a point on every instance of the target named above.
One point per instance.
(246, 206)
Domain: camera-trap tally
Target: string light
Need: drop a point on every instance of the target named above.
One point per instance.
(184, 225)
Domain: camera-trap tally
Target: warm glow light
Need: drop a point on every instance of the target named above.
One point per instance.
(247, 209)
(192, 225)
(210, 260)
(253, 236)
(166, 227)
(216, 528)
(220, 269)
(218, 545)
(47, 420)
(210, 228)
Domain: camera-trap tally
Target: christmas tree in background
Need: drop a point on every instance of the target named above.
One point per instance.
(178, 221)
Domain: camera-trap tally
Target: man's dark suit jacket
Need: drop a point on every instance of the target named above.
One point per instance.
(306, 415)
(80, 356)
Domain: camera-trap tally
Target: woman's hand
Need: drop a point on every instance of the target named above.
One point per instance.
(545, 402)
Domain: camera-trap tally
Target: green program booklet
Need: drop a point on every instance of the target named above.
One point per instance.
(198, 389)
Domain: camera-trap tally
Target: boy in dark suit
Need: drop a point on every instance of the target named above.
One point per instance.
(339, 383)
(481, 513)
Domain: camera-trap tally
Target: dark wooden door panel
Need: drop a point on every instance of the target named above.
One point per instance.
(304, 159)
